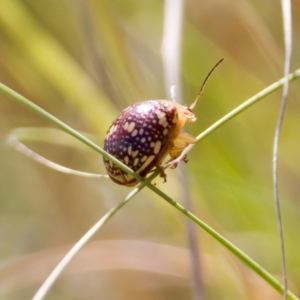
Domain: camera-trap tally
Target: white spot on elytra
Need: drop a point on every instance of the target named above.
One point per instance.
(134, 132)
(126, 160)
(157, 147)
(135, 153)
(162, 120)
(131, 127)
(165, 131)
(152, 144)
(136, 161)
(129, 150)
(125, 126)
(143, 158)
(146, 163)
(112, 130)
(143, 140)
(165, 124)
(141, 131)
(160, 114)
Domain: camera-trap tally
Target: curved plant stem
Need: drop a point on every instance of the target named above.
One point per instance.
(13, 141)
(287, 28)
(45, 287)
(22, 100)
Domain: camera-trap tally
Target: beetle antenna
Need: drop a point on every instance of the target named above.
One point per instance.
(202, 86)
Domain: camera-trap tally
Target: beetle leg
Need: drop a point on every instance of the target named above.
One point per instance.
(175, 164)
(185, 159)
(163, 174)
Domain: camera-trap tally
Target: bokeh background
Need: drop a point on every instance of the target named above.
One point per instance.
(84, 62)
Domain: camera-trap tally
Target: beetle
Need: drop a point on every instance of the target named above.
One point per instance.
(145, 133)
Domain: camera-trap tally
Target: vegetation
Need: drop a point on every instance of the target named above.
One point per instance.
(84, 62)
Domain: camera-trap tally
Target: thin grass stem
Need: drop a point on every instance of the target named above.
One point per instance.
(48, 283)
(287, 29)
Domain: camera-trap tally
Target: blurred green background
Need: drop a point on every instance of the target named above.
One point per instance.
(84, 62)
